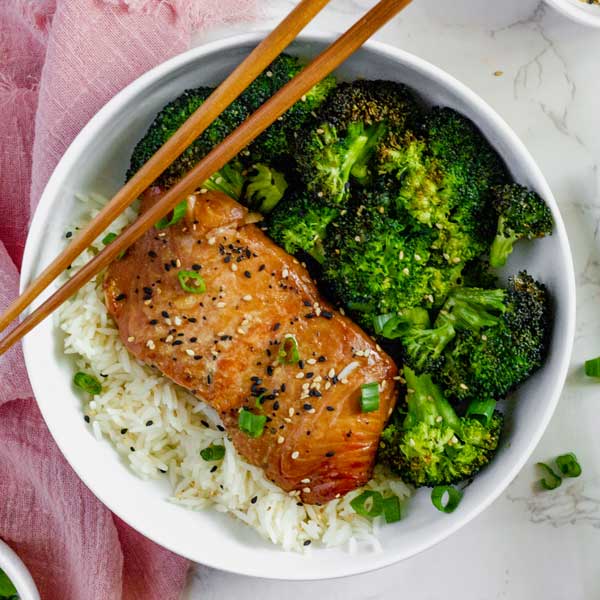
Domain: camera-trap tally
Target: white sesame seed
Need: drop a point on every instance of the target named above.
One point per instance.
(367, 351)
(295, 455)
(148, 302)
(305, 480)
(269, 73)
(305, 386)
(150, 344)
(344, 381)
(306, 490)
(456, 260)
(220, 304)
(247, 298)
(168, 321)
(327, 385)
(311, 411)
(357, 238)
(212, 241)
(178, 321)
(190, 352)
(411, 442)
(317, 379)
(131, 339)
(300, 375)
(280, 439)
(285, 273)
(287, 419)
(401, 255)
(417, 257)
(342, 311)
(233, 267)
(405, 271)
(320, 131)
(169, 339)
(320, 194)
(438, 419)
(484, 337)
(203, 190)
(337, 495)
(311, 361)
(462, 386)
(178, 263)
(241, 331)
(291, 412)
(331, 372)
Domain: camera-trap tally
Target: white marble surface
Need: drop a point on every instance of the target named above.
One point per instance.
(526, 545)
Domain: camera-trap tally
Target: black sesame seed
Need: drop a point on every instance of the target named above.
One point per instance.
(209, 379)
(256, 379)
(197, 357)
(330, 408)
(220, 428)
(162, 470)
(282, 388)
(247, 274)
(214, 468)
(276, 326)
(309, 375)
(132, 448)
(227, 259)
(269, 370)
(152, 254)
(321, 359)
(86, 419)
(327, 314)
(314, 393)
(167, 267)
(330, 454)
(269, 397)
(120, 297)
(192, 320)
(165, 314)
(153, 322)
(254, 500)
(306, 543)
(262, 267)
(309, 315)
(68, 234)
(149, 423)
(307, 406)
(307, 303)
(193, 340)
(205, 423)
(196, 267)
(177, 343)
(276, 405)
(123, 431)
(301, 364)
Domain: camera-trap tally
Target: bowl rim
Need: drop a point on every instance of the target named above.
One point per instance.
(575, 13)
(18, 573)
(94, 127)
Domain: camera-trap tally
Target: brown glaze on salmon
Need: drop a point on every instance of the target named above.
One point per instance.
(223, 345)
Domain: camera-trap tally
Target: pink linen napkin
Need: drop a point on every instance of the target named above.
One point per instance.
(60, 61)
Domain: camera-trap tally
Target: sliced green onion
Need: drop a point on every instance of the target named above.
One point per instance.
(176, 215)
(7, 589)
(369, 397)
(251, 424)
(87, 383)
(288, 351)
(213, 452)
(568, 465)
(368, 504)
(391, 509)
(446, 498)
(109, 238)
(592, 367)
(192, 282)
(482, 410)
(551, 480)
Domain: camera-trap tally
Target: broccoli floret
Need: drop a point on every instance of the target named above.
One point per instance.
(423, 348)
(522, 214)
(342, 137)
(266, 187)
(487, 359)
(392, 326)
(169, 119)
(432, 445)
(299, 222)
(474, 168)
(273, 145)
(470, 309)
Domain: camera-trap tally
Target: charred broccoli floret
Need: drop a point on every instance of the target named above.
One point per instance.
(229, 179)
(299, 222)
(341, 139)
(498, 344)
(522, 214)
(432, 445)
(273, 145)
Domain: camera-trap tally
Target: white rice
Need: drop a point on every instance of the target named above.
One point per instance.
(160, 428)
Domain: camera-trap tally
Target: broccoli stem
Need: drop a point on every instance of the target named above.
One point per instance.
(501, 249)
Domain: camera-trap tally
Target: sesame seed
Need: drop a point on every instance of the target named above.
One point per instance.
(295, 455)
(300, 375)
(220, 304)
(150, 344)
(233, 267)
(169, 339)
(178, 321)
(405, 271)
(269, 73)
(401, 255)
(212, 241)
(285, 273)
(131, 339)
(344, 381)
(280, 439)
(462, 386)
(247, 298)
(306, 480)
(331, 372)
(190, 352)
(312, 361)
(306, 490)
(291, 412)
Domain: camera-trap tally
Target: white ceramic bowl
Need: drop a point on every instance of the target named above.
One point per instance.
(17, 572)
(581, 12)
(97, 160)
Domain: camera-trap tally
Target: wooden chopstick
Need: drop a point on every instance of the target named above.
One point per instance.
(320, 67)
(240, 78)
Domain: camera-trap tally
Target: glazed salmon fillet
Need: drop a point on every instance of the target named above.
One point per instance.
(231, 341)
